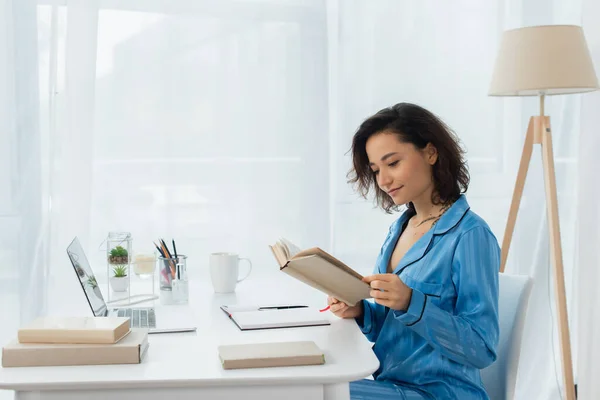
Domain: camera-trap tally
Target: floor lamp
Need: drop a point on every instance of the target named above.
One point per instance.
(543, 61)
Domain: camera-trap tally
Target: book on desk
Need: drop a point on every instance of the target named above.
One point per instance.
(322, 271)
(275, 354)
(128, 350)
(72, 330)
(72, 340)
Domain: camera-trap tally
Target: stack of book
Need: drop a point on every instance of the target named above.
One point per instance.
(52, 341)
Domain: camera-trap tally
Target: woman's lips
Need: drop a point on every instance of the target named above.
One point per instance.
(391, 192)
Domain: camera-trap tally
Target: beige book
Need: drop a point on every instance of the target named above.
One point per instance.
(74, 330)
(261, 355)
(322, 271)
(129, 350)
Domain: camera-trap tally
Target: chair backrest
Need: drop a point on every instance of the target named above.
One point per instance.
(499, 379)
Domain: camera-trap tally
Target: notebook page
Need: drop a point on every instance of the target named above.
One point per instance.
(279, 318)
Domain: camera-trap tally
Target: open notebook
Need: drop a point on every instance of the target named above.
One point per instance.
(252, 318)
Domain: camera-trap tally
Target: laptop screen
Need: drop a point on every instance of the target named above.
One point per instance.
(86, 277)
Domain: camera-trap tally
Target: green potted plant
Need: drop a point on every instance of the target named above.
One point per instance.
(119, 281)
(118, 256)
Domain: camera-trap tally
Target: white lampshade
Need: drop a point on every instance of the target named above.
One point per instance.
(552, 59)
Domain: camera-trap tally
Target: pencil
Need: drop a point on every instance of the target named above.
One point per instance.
(168, 253)
(162, 252)
(159, 249)
(162, 270)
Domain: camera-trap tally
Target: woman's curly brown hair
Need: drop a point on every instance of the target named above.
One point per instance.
(416, 125)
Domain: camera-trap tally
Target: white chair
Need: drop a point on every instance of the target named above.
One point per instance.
(499, 379)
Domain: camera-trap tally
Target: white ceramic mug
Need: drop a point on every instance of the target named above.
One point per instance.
(225, 270)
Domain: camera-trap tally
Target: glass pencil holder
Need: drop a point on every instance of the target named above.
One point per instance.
(173, 279)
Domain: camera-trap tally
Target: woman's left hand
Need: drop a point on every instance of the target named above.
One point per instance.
(389, 291)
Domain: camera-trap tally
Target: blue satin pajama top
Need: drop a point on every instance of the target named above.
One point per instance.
(450, 329)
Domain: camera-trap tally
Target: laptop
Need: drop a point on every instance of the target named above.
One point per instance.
(155, 320)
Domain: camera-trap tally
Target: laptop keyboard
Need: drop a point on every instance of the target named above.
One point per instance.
(139, 318)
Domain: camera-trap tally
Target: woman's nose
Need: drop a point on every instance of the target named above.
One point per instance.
(384, 178)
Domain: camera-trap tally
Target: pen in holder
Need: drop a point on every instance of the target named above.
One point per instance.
(173, 287)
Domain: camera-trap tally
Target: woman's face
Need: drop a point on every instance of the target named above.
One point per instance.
(401, 169)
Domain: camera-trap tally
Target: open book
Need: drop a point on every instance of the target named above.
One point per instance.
(321, 271)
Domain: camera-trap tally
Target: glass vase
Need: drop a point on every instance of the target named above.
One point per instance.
(118, 258)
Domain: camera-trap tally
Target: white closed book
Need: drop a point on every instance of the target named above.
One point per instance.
(74, 330)
(276, 354)
(252, 318)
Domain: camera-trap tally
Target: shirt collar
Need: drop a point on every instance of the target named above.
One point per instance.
(452, 216)
(449, 220)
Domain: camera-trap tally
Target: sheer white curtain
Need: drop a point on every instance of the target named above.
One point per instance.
(23, 196)
(187, 120)
(23, 212)
(588, 217)
(226, 124)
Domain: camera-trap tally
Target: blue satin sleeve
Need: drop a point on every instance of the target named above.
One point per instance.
(371, 320)
(469, 335)
(373, 317)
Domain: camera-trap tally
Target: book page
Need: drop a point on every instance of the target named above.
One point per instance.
(292, 249)
(279, 318)
(283, 249)
(279, 255)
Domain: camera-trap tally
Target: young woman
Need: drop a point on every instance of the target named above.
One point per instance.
(434, 314)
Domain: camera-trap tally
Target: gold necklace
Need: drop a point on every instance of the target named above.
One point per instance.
(444, 208)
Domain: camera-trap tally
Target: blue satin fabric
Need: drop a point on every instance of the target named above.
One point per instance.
(450, 329)
(367, 389)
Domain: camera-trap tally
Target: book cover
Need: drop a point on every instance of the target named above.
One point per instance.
(129, 350)
(276, 354)
(322, 271)
(74, 330)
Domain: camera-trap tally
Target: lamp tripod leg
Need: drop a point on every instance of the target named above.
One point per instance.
(556, 257)
(517, 193)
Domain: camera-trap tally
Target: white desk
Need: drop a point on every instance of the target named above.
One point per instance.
(186, 365)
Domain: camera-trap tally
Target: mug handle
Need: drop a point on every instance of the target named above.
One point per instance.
(249, 269)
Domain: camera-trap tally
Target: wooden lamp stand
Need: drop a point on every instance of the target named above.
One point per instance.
(538, 132)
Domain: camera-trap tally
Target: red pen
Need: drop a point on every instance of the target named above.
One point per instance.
(325, 309)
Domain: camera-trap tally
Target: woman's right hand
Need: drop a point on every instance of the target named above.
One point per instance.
(343, 310)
